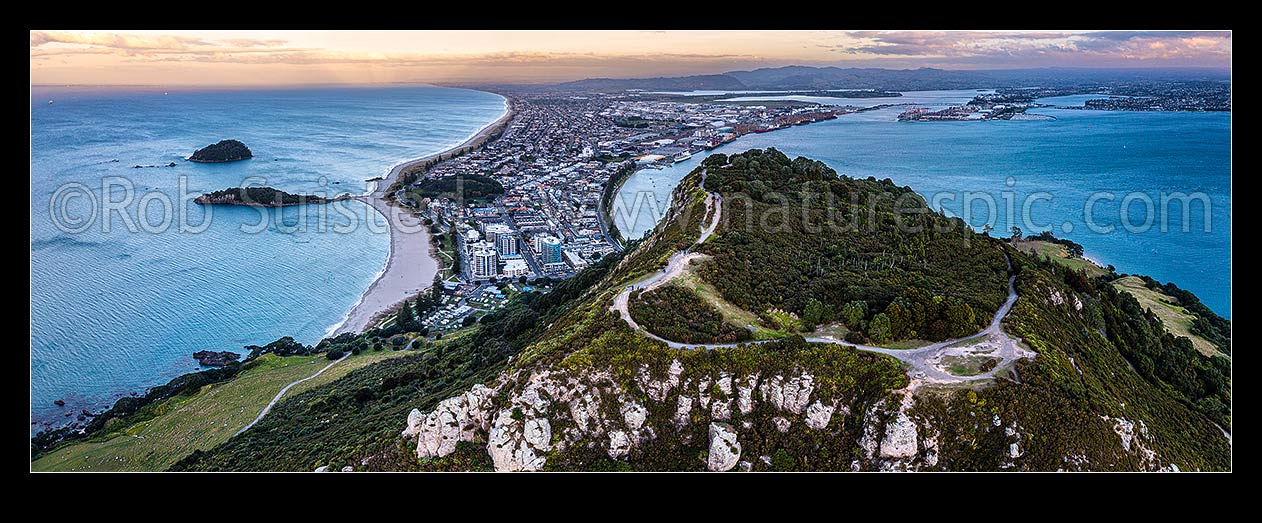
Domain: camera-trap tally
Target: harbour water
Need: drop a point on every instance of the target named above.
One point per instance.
(1079, 156)
(114, 310)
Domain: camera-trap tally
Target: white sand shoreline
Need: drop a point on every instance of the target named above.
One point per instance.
(410, 267)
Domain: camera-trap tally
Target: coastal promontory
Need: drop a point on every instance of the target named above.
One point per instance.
(223, 151)
(215, 359)
(261, 197)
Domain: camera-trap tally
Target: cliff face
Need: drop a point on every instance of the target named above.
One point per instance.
(569, 417)
(684, 418)
(223, 151)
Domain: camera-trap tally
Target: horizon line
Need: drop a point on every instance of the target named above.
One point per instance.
(489, 83)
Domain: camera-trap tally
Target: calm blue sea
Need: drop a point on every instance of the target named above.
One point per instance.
(118, 311)
(1079, 155)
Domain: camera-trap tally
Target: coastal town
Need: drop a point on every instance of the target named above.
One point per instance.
(557, 164)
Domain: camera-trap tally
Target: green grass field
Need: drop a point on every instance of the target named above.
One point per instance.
(1060, 254)
(200, 421)
(738, 317)
(1176, 320)
(968, 365)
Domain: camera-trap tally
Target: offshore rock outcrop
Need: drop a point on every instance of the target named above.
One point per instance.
(222, 151)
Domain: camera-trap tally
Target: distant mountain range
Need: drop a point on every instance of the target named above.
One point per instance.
(797, 77)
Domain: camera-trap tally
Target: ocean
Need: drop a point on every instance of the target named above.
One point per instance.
(1109, 158)
(117, 308)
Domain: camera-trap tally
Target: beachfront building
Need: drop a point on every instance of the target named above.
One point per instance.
(550, 250)
(573, 259)
(485, 261)
(494, 230)
(506, 243)
(516, 267)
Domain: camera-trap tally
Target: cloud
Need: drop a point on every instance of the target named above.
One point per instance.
(75, 57)
(117, 40)
(1030, 48)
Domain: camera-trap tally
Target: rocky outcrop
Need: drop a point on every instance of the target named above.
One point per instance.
(223, 151)
(791, 395)
(452, 421)
(526, 416)
(818, 415)
(900, 433)
(215, 359)
(517, 445)
(725, 451)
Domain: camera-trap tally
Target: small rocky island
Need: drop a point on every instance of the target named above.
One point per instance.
(215, 359)
(224, 151)
(261, 197)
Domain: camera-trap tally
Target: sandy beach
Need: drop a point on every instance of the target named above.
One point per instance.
(411, 266)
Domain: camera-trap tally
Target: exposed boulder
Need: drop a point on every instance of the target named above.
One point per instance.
(415, 419)
(619, 444)
(818, 415)
(215, 359)
(725, 451)
(453, 420)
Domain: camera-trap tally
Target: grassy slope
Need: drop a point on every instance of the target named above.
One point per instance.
(733, 314)
(1060, 254)
(1177, 320)
(201, 421)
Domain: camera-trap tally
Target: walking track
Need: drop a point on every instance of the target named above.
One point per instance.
(286, 389)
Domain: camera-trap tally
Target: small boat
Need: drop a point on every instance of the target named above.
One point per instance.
(50, 102)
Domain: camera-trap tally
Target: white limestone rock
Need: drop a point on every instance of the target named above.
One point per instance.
(703, 393)
(415, 419)
(900, 433)
(782, 423)
(818, 415)
(516, 445)
(619, 444)
(788, 395)
(1056, 298)
(725, 450)
(683, 411)
(659, 390)
(453, 420)
(745, 394)
(725, 383)
(538, 433)
(634, 415)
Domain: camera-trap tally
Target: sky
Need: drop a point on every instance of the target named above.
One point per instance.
(249, 58)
